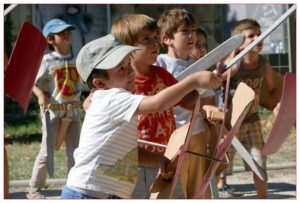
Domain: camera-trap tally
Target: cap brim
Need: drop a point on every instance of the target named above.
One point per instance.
(61, 28)
(116, 57)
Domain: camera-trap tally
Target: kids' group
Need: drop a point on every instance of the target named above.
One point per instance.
(135, 96)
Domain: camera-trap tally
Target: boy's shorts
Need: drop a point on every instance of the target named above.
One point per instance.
(68, 193)
(250, 135)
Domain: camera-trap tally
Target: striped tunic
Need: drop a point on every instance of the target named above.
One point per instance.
(106, 160)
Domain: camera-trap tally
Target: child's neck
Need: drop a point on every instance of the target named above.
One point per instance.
(141, 69)
(251, 60)
(62, 50)
(178, 54)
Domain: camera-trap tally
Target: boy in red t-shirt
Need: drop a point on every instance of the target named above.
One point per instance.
(141, 31)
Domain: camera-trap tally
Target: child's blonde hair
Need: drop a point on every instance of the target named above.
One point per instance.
(244, 25)
(169, 21)
(128, 27)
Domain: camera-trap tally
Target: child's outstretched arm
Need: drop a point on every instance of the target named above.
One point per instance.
(173, 94)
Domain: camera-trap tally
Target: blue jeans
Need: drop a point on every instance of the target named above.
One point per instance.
(67, 193)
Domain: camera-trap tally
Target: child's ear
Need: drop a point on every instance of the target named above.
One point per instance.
(98, 83)
(50, 40)
(166, 40)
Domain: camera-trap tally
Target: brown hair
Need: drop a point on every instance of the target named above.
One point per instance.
(96, 73)
(127, 27)
(169, 21)
(244, 25)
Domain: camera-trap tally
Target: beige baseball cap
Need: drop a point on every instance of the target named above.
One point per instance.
(104, 53)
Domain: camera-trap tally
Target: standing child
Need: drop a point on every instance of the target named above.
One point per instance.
(252, 70)
(178, 35)
(200, 48)
(141, 31)
(106, 159)
(58, 85)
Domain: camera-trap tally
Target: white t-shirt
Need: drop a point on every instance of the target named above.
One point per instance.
(176, 66)
(106, 159)
(173, 65)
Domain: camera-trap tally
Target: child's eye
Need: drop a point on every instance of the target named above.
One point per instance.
(250, 36)
(185, 31)
(146, 40)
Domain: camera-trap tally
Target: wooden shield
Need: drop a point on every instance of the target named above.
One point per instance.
(286, 116)
(241, 103)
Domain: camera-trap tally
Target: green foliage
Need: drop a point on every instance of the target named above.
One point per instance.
(18, 126)
(9, 38)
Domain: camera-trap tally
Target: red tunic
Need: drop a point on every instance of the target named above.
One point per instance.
(155, 127)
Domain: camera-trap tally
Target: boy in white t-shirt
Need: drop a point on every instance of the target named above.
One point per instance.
(106, 160)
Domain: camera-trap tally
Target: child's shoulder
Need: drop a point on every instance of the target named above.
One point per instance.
(164, 59)
(162, 56)
(159, 69)
(161, 72)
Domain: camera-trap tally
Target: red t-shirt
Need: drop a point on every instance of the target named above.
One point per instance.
(155, 127)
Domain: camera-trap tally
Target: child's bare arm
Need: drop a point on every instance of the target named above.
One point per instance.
(43, 100)
(173, 94)
(269, 79)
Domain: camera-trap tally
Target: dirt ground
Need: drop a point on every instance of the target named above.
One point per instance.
(282, 185)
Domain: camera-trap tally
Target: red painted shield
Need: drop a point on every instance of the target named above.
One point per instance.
(24, 64)
(286, 116)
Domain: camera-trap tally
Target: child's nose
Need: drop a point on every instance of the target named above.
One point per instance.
(192, 34)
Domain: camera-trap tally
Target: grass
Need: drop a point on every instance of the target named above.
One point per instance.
(287, 152)
(21, 159)
(22, 152)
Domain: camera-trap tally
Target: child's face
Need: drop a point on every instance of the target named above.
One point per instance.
(148, 42)
(250, 36)
(200, 48)
(62, 39)
(121, 76)
(184, 39)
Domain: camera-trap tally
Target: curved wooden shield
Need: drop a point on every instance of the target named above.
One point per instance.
(241, 102)
(286, 116)
(175, 151)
